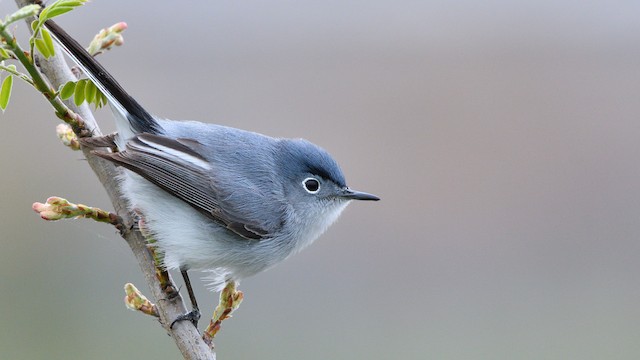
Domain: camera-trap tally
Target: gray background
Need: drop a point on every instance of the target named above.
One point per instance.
(502, 137)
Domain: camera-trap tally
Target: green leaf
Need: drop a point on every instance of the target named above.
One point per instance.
(58, 8)
(4, 54)
(74, 3)
(99, 100)
(55, 11)
(90, 91)
(5, 92)
(67, 90)
(42, 47)
(105, 101)
(78, 94)
(48, 41)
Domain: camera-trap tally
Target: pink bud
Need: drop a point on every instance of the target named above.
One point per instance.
(119, 27)
(46, 211)
(39, 207)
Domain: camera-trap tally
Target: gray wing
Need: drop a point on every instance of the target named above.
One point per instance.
(177, 167)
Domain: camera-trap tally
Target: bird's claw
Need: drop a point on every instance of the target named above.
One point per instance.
(193, 316)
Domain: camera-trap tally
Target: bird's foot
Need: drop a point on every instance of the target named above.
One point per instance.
(193, 316)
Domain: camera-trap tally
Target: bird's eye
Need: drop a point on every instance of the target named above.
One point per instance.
(311, 185)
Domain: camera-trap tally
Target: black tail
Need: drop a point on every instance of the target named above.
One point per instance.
(139, 119)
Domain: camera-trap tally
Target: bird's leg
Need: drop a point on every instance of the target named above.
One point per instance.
(163, 275)
(230, 299)
(194, 314)
(192, 296)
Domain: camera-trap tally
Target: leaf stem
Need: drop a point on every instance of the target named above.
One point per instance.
(22, 76)
(61, 110)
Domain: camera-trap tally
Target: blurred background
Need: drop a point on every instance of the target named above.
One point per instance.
(503, 138)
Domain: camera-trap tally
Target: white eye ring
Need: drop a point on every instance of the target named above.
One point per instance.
(311, 185)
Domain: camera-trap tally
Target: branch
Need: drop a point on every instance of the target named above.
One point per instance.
(184, 333)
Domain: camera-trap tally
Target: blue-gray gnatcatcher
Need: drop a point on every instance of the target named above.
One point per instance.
(216, 198)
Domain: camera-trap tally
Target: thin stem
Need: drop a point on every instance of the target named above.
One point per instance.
(62, 111)
(22, 76)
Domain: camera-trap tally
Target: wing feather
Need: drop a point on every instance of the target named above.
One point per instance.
(176, 166)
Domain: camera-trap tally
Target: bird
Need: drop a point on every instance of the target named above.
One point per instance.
(215, 198)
